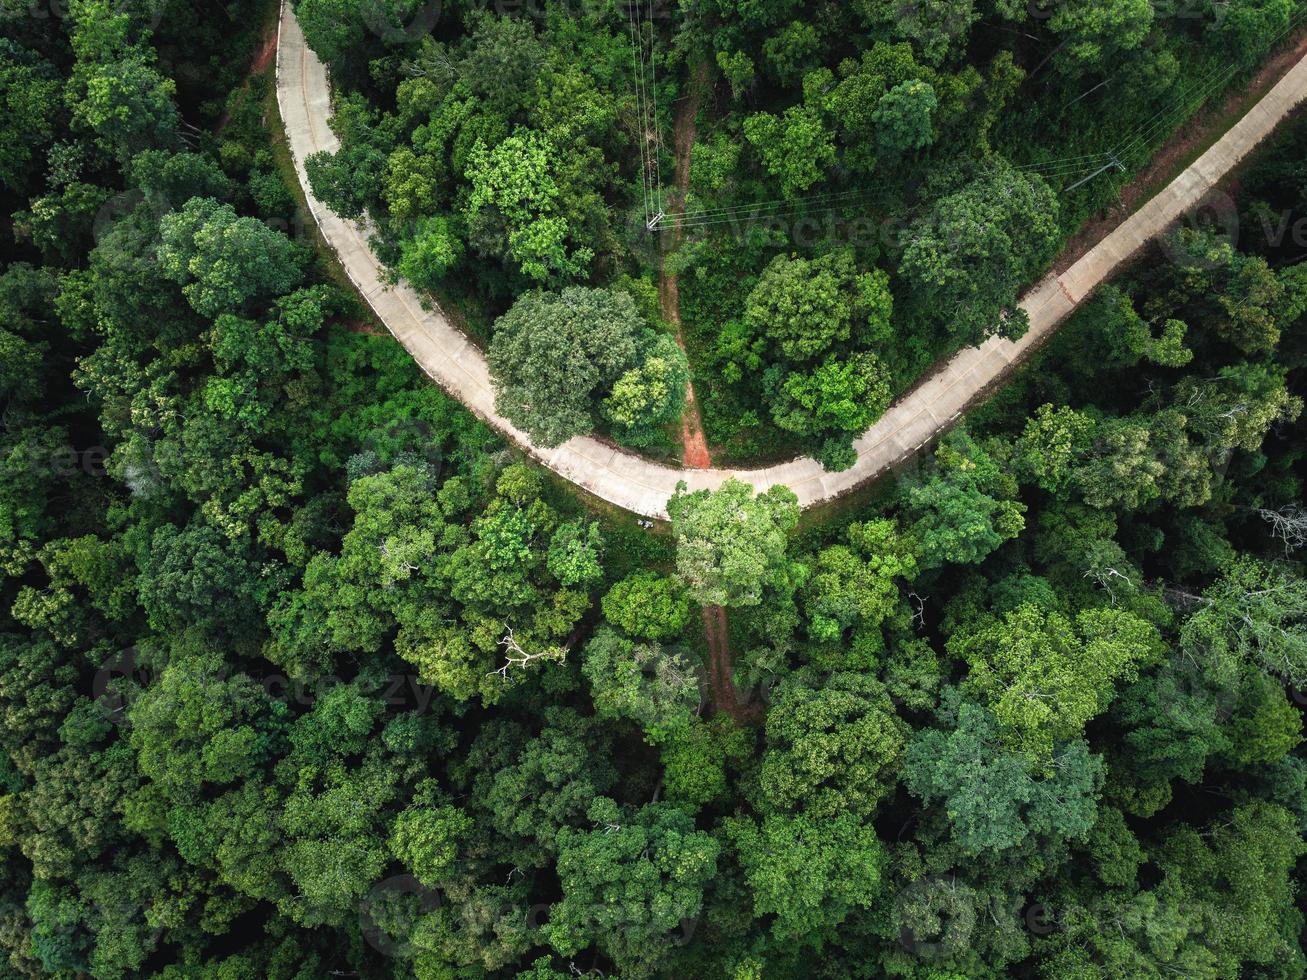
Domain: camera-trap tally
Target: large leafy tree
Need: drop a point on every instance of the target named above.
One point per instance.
(648, 605)
(1239, 294)
(804, 306)
(978, 247)
(656, 687)
(346, 33)
(904, 116)
(796, 147)
(116, 90)
(629, 882)
(852, 587)
(224, 261)
(651, 395)
(935, 27)
(194, 578)
(1253, 613)
(1222, 906)
(1094, 30)
(888, 103)
(196, 729)
(809, 872)
(1053, 440)
(31, 110)
(966, 506)
(555, 356)
(731, 544)
(1046, 675)
(993, 799)
(514, 196)
(531, 788)
(832, 745)
(836, 401)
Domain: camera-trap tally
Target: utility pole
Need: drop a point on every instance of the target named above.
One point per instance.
(1112, 164)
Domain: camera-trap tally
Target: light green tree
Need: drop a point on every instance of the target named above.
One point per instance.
(513, 183)
(966, 507)
(1045, 675)
(1096, 29)
(655, 686)
(629, 882)
(852, 585)
(904, 116)
(832, 746)
(648, 605)
(809, 872)
(796, 148)
(804, 306)
(430, 253)
(730, 544)
(650, 395)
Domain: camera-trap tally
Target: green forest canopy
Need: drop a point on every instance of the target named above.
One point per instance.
(304, 672)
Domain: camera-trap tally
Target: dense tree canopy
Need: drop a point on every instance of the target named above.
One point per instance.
(305, 672)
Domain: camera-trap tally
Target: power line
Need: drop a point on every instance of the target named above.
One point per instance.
(653, 88)
(783, 203)
(646, 108)
(1193, 94)
(639, 109)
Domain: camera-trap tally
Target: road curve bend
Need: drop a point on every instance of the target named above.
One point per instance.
(643, 486)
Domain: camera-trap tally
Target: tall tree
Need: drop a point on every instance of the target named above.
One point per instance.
(555, 356)
(809, 872)
(978, 247)
(1046, 675)
(224, 261)
(832, 746)
(991, 796)
(730, 544)
(630, 882)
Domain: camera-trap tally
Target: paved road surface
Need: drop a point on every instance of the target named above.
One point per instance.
(639, 485)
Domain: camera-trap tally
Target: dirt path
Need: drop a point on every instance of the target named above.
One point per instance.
(721, 668)
(262, 59)
(694, 446)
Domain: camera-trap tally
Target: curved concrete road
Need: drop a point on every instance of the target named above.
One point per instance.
(642, 486)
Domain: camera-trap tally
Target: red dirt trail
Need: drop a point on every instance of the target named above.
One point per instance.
(694, 446)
